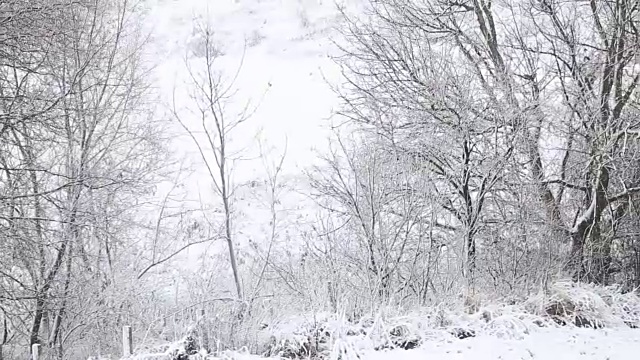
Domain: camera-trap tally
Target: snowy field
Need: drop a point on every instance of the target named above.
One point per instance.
(584, 344)
(544, 344)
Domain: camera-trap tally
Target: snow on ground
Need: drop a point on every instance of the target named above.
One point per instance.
(521, 331)
(544, 344)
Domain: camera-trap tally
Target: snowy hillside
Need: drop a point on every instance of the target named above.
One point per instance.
(282, 48)
(281, 52)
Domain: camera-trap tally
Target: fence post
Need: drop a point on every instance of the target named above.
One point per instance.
(127, 341)
(35, 351)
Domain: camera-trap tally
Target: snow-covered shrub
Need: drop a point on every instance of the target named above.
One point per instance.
(393, 333)
(299, 337)
(322, 336)
(507, 326)
(343, 349)
(405, 337)
(187, 347)
(255, 38)
(586, 305)
(295, 346)
(625, 306)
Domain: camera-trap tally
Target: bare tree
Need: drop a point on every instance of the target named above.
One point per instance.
(274, 187)
(211, 95)
(490, 79)
(593, 60)
(379, 199)
(409, 85)
(79, 152)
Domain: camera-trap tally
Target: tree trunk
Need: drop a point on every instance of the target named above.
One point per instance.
(37, 319)
(471, 257)
(232, 254)
(574, 265)
(601, 267)
(587, 227)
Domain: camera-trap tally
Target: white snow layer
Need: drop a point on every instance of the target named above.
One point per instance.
(544, 344)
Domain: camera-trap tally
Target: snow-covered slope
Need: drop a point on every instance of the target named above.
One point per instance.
(283, 48)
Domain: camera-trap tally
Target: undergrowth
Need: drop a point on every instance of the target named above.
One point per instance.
(338, 337)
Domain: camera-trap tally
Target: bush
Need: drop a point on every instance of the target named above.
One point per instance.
(586, 305)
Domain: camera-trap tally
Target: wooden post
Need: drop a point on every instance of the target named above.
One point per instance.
(35, 351)
(127, 341)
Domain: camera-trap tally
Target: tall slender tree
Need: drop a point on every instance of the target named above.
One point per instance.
(211, 96)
